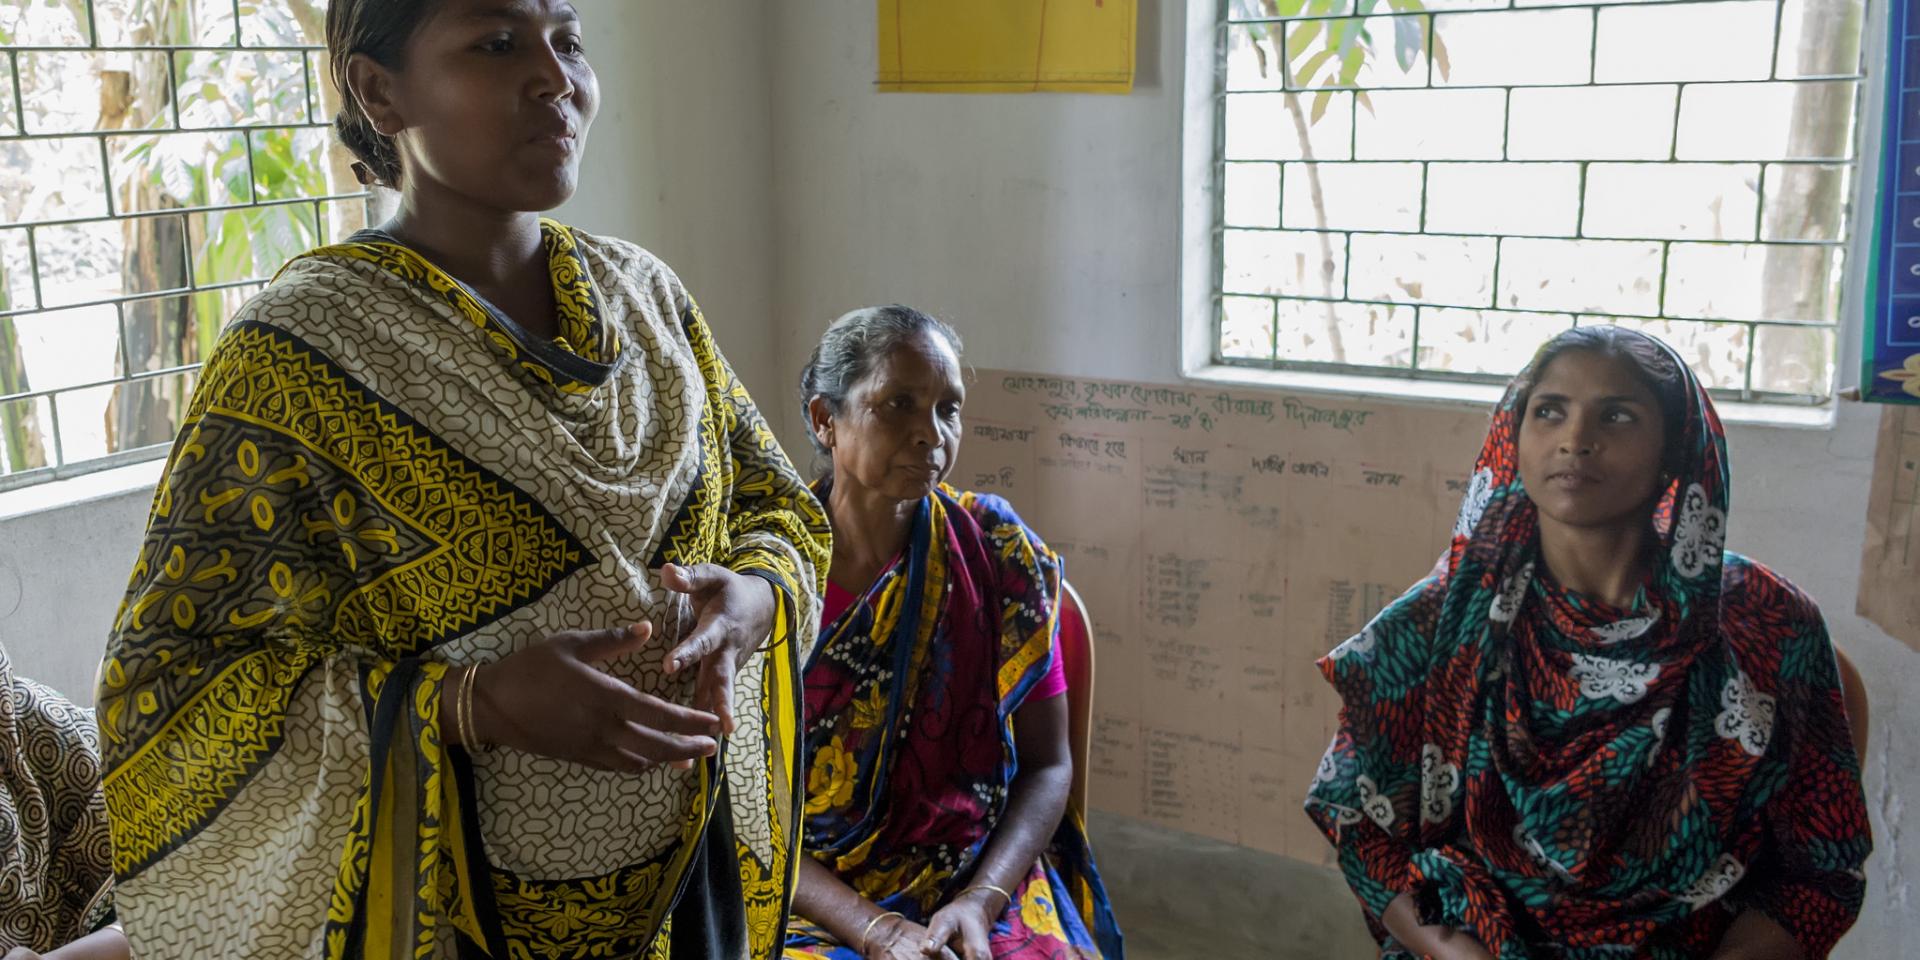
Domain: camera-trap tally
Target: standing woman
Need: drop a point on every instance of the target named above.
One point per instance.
(473, 597)
(1591, 733)
(936, 741)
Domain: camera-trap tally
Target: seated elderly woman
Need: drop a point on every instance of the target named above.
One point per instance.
(936, 731)
(1591, 732)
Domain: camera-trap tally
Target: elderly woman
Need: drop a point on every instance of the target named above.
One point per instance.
(471, 607)
(1592, 733)
(937, 759)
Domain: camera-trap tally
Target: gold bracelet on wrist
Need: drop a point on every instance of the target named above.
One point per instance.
(450, 695)
(1004, 895)
(867, 931)
(473, 728)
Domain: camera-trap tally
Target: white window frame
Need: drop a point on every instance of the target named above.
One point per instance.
(1202, 143)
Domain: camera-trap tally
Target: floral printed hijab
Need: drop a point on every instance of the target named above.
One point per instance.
(1564, 778)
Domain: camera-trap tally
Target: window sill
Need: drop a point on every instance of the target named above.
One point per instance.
(74, 491)
(1447, 393)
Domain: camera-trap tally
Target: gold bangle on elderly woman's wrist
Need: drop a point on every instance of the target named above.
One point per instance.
(1006, 897)
(866, 932)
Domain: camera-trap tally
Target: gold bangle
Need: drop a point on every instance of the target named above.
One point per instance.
(1008, 897)
(867, 931)
(472, 735)
(455, 678)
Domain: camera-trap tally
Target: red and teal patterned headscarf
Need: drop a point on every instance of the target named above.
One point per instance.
(1562, 778)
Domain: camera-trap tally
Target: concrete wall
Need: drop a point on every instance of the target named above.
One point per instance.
(1046, 229)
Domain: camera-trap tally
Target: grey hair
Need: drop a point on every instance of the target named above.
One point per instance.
(853, 345)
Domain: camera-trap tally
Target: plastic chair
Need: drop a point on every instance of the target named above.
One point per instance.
(1076, 661)
(1853, 693)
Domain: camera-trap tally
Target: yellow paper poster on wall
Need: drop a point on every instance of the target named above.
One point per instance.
(1006, 46)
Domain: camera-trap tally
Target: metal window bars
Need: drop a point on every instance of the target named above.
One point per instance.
(1462, 290)
(234, 123)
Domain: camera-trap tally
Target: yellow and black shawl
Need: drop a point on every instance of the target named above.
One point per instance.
(381, 477)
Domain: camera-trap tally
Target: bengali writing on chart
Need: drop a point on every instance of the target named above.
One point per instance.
(1223, 540)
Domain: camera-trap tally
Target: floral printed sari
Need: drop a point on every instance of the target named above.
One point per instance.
(910, 699)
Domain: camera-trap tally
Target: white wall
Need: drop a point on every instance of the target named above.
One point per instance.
(62, 572)
(1045, 227)
(680, 159)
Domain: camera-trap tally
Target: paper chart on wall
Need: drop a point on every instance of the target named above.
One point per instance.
(1223, 540)
(1890, 564)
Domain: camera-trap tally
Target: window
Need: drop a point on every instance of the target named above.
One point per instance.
(1430, 188)
(159, 160)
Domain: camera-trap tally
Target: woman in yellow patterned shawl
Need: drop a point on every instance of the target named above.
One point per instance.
(471, 604)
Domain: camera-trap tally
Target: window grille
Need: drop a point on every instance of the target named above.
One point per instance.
(159, 161)
(1431, 188)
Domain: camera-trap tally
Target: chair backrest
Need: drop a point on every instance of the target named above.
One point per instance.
(1853, 693)
(1076, 661)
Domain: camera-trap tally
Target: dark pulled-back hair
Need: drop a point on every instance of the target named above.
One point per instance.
(379, 29)
(1653, 363)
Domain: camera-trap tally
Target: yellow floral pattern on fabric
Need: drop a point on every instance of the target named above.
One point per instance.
(359, 529)
(335, 530)
(830, 782)
(1037, 909)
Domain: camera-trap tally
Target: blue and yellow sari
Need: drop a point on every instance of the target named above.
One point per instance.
(909, 748)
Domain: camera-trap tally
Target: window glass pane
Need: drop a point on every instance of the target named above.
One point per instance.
(9, 121)
(91, 262)
(64, 348)
(1285, 262)
(1497, 342)
(283, 24)
(1364, 52)
(180, 23)
(1374, 334)
(16, 272)
(1793, 359)
(1487, 172)
(86, 92)
(1478, 49)
(1685, 41)
(166, 171)
(253, 243)
(1352, 196)
(167, 332)
(1246, 328)
(230, 89)
(26, 435)
(36, 192)
(43, 25)
(289, 163)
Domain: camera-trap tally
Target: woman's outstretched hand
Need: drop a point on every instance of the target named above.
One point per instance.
(733, 616)
(555, 700)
